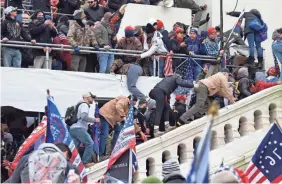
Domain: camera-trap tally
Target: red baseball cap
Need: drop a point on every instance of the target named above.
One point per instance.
(180, 97)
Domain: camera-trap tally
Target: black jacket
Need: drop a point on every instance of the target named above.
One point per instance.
(69, 6)
(14, 3)
(114, 5)
(42, 33)
(170, 83)
(42, 5)
(249, 17)
(180, 108)
(13, 30)
(95, 13)
(244, 86)
(174, 178)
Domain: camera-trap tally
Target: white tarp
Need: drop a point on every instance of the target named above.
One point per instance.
(139, 14)
(26, 88)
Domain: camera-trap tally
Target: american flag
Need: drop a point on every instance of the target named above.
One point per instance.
(126, 141)
(266, 164)
(60, 134)
(186, 68)
(199, 172)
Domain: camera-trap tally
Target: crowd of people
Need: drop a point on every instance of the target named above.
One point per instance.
(196, 83)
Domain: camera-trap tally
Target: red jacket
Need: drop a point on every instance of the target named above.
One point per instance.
(261, 85)
(65, 56)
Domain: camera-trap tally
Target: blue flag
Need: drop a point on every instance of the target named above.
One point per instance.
(96, 131)
(199, 172)
(58, 133)
(266, 164)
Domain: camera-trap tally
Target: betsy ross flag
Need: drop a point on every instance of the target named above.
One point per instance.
(58, 133)
(119, 162)
(266, 164)
(199, 172)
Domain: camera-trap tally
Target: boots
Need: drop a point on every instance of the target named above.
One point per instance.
(250, 60)
(260, 62)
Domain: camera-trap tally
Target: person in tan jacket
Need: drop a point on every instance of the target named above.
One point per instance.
(215, 84)
(112, 113)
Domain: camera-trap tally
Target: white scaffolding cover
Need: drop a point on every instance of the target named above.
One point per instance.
(25, 88)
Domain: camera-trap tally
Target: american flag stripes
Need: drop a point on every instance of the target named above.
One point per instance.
(266, 164)
(125, 141)
(61, 134)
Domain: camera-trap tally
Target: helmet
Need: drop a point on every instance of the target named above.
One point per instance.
(9, 9)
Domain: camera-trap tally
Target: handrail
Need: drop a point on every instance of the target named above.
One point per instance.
(197, 126)
(118, 50)
(61, 47)
(46, 12)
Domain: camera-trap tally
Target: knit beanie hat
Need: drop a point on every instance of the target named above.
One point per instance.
(170, 166)
(211, 30)
(129, 31)
(225, 174)
(224, 70)
(160, 25)
(243, 72)
(151, 179)
(194, 30)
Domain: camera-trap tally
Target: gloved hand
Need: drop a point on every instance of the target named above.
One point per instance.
(96, 47)
(208, 17)
(76, 49)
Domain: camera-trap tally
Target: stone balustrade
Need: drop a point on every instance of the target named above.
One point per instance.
(254, 113)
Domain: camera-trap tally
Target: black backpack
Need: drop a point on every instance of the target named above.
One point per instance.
(71, 114)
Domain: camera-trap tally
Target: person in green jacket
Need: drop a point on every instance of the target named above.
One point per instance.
(202, 75)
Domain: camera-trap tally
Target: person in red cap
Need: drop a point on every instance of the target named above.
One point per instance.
(210, 47)
(178, 110)
(129, 64)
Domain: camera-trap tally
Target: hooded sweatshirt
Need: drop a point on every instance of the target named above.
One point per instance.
(244, 83)
(103, 32)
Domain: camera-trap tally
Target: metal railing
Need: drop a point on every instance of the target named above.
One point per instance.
(84, 49)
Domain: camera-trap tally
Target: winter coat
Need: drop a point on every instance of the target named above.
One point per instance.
(218, 83)
(114, 5)
(193, 45)
(201, 76)
(210, 47)
(157, 45)
(276, 34)
(261, 85)
(174, 178)
(42, 5)
(170, 83)
(165, 39)
(115, 110)
(119, 67)
(69, 6)
(95, 13)
(134, 45)
(63, 25)
(63, 55)
(80, 36)
(103, 34)
(249, 17)
(244, 83)
(180, 108)
(13, 30)
(14, 3)
(42, 33)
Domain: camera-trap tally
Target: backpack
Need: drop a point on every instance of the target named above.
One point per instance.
(71, 114)
(46, 163)
(260, 27)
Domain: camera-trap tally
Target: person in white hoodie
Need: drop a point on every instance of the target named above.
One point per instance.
(156, 45)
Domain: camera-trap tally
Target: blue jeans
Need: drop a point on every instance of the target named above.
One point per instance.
(251, 37)
(133, 74)
(105, 62)
(80, 135)
(104, 133)
(117, 129)
(20, 17)
(57, 65)
(159, 68)
(11, 57)
(277, 51)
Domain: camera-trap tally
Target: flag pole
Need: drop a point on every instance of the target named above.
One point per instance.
(130, 167)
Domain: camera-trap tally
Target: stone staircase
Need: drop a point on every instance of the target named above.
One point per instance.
(236, 133)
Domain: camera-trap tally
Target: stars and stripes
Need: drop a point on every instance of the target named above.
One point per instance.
(266, 164)
(60, 134)
(125, 141)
